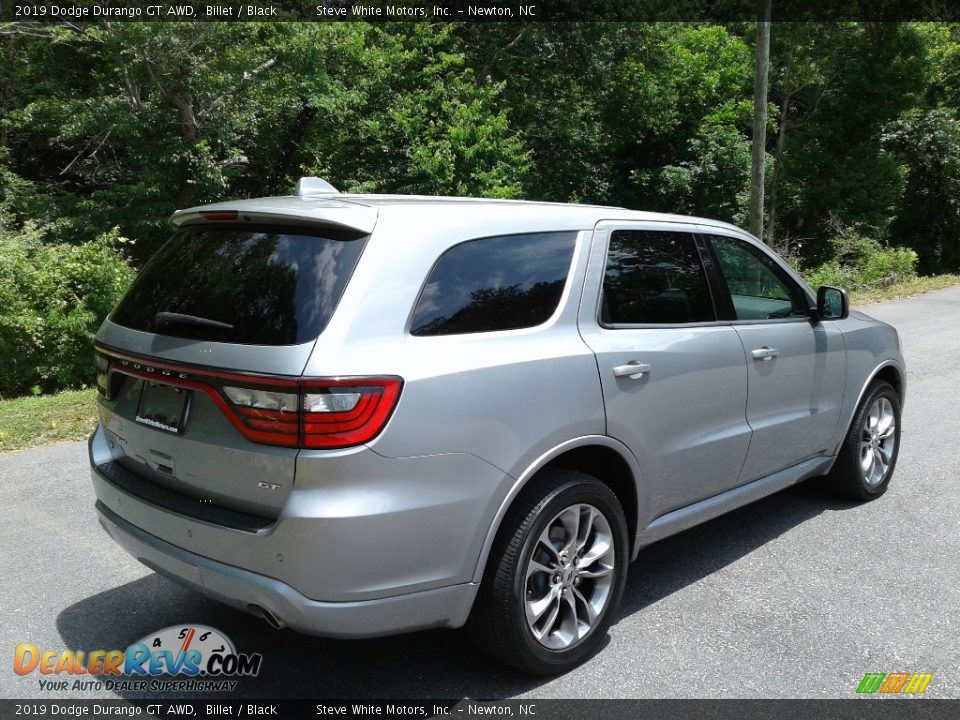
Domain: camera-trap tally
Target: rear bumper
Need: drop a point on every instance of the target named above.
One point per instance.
(364, 546)
(248, 591)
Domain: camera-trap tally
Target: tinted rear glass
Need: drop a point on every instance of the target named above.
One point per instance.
(274, 286)
(495, 283)
(654, 277)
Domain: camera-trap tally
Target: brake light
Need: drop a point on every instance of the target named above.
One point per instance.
(321, 414)
(303, 412)
(102, 366)
(343, 413)
(108, 382)
(219, 215)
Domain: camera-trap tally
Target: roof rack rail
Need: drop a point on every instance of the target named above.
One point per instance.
(315, 186)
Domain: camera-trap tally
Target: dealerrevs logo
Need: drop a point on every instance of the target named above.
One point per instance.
(194, 651)
(894, 683)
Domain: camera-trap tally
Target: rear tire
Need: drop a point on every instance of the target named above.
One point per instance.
(555, 575)
(868, 456)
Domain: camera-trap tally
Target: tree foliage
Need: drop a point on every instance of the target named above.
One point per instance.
(928, 145)
(53, 298)
(115, 125)
(118, 124)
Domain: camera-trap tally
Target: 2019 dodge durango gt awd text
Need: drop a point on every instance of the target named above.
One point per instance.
(358, 415)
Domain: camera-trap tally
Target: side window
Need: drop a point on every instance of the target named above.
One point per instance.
(654, 277)
(759, 289)
(495, 283)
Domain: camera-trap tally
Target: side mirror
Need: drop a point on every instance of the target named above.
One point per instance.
(832, 303)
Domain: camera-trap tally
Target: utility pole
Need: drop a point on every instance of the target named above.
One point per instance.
(760, 117)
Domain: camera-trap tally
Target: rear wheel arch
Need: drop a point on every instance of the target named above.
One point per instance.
(599, 456)
(613, 470)
(556, 574)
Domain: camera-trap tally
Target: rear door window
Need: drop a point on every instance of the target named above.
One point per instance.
(247, 285)
(496, 283)
(654, 277)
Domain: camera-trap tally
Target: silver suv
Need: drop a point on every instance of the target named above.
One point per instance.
(358, 415)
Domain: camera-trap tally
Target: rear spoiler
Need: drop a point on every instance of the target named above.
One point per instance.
(307, 210)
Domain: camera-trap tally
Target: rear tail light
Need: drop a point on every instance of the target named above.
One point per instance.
(102, 366)
(108, 383)
(345, 412)
(319, 414)
(305, 413)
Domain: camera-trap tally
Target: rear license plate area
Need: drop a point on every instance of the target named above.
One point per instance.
(163, 407)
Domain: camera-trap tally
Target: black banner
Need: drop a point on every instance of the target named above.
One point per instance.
(854, 709)
(73, 11)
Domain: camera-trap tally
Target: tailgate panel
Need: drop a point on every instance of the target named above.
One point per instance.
(207, 460)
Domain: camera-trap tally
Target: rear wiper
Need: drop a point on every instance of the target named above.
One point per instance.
(172, 318)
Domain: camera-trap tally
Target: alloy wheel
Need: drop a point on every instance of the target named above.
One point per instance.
(569, 577)
(877, 441)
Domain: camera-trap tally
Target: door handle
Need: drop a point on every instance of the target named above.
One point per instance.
(765, 353)
(633, 370)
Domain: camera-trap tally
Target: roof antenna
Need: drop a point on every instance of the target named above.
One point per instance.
(315, 186)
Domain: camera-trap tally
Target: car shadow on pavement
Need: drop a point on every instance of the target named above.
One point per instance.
(435, 664)
(680, 560)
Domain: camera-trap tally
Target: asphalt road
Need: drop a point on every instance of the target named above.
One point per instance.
(798, 595)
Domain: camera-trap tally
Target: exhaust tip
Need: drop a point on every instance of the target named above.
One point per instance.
(272, 620)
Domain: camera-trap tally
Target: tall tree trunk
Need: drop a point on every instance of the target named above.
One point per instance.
(777, 161)
(778, 152)
(760, 117)
(190, 130)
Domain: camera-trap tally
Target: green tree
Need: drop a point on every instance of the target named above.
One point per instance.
(121, 123)
(927, 143)
(620, 113)
(858, 77)
(416, 120)
(53, 298)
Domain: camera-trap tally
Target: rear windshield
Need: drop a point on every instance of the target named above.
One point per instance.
(247, 285)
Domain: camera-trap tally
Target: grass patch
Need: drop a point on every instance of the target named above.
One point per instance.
(915, 286)
(29, 421)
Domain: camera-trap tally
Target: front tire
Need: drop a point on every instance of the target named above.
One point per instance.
(555, 575)
(869, 453)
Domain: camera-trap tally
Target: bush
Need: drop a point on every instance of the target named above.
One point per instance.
(53, 298)
(862, 263)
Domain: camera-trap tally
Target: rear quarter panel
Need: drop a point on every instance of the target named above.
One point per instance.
(507, 398)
